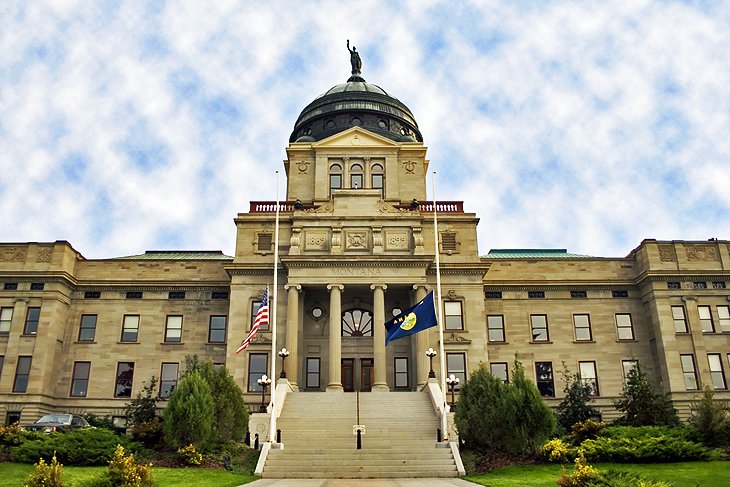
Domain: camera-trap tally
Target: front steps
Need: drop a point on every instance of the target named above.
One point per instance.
(399, 439)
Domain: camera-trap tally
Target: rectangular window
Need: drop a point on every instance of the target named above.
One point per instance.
(535, 294)
(134, 294)
(11, 286)
(168, 378)
(335, 182)
(689, 371)
(80, 379)
(12, 417)
(627, 366)
(539, 327)
(87, 330)
(217, 329)
(716, 372)
(456, 364)
(452, 315)
(265, 240)
(499, 370)
(313, 372)
(582, 325)
(92, 295)
(356, 181)
(125, 377)
(544, 374)
(723, 313)
(378, 182)
(6, 318)
(255, 305)
(176, 295)
(401, 373)
(173, 329)
(493, 294)
(622, 293)
(22, 373)
(31, 321)
(699, 285)
(37, 286)
(673, 285)
(448, 242)
(130, 328)
(588, 376)
(219, 295)
(706, 319)
(624, 327)
(578, 294)
(495, 328)
(680, 320)
(257, 366)
(718, 285)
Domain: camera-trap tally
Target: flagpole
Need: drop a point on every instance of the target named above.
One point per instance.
(272, 431)
(444, 425)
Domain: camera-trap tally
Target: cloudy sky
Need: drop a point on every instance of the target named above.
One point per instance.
(586, 125)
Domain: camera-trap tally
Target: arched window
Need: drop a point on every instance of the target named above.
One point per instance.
(335, 177)
(357, 322)
(377, 178)
(356, 176)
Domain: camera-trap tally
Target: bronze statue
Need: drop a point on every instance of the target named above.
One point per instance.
(355, 60)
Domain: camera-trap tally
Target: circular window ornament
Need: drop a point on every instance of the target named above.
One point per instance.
(356, 122)
(396, 311)
(317, 312)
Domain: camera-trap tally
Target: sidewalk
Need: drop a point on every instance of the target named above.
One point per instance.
(360, 483)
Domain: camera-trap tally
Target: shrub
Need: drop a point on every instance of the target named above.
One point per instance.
(492, 415)
(575, 407)
(189, 414)
(582, 475)
(614, 478)
(148, 432)
(642, 405)
(87, 446)
(586, 430)
(660, 449)
(555, 450)
(709, 418)
(123, 471)
(46, 475)
(190, 455)
(144, 424)
(13, 435)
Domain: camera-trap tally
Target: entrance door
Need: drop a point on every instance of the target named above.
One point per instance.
(348, 374)
(366, 374)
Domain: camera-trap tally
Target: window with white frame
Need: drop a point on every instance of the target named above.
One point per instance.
(377, 178)
(173, 329)
(401, 372)
(624, 326)
(130, 328)
(539, 328)
(499, 370)
(588, 376)
(313, 368)
(456, 364)
(257, 366)
(716, 372)
(87, 330)
(80, 379)
(582, 326)
(335, 177)
(452, 315)
(356, 176)
(495, 328)
(723, 313)
(706, 324)
(6, 318)
(168, 378)
(627, 366)
(680, 319)
(689, 371)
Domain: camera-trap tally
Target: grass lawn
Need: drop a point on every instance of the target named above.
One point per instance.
(685, 474)
(14, 474)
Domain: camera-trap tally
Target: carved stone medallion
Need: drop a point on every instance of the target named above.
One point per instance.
(701, 252)
(12, 254)
(356, 240)
(666, 253)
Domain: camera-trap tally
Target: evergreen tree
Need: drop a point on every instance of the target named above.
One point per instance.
(710, 419)
(230, 414)
(642, 405)
(535, 419)
(189, 414)
(575, 407)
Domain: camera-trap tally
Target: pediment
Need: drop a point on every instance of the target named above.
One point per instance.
(355, 137)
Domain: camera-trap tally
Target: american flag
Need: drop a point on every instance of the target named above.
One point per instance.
(262, 318)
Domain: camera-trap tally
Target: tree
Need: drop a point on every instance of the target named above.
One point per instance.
(230, 416)
(709, 418)
(142, 420)
(492, 415)
(642, 405)
(188, 418)
(575, 407)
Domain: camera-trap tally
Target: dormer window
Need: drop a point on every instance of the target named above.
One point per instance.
(335, 177)
(356, 176)
(377, 178)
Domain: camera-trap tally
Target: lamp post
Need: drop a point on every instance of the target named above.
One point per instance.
(452, 381)
(283, 353)
(431, 353)
(264, 382)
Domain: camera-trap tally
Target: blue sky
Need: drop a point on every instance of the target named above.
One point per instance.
(128, 126)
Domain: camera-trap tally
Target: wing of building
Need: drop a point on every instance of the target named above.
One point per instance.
(357, 245)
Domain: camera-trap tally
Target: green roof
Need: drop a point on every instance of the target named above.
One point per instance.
(179, 255)
(532, 254)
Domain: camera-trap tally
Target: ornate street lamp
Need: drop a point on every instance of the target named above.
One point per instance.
(431, 353)
(452, 381)
(283, 353)
(264, 382)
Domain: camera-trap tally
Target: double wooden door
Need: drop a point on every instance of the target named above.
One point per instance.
(354, 377)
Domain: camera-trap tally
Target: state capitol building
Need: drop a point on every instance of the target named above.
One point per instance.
(356, 246)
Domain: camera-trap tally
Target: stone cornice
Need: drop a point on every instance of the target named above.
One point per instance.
(558, 287)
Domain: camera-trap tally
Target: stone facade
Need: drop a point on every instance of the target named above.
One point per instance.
(357, 244)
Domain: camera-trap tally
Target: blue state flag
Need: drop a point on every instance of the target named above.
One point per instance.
(414, 319)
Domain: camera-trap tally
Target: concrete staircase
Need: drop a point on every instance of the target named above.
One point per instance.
(399, 440)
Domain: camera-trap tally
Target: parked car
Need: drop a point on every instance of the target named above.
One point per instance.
(58, 422)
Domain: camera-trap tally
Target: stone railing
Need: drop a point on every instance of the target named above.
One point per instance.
(290, 206)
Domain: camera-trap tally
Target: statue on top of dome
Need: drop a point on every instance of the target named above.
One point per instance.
(355, 60)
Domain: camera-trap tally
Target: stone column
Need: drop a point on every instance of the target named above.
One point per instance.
(335, 344)
(421, 339)
(292, 334)
(692, 315)
(380, 382)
